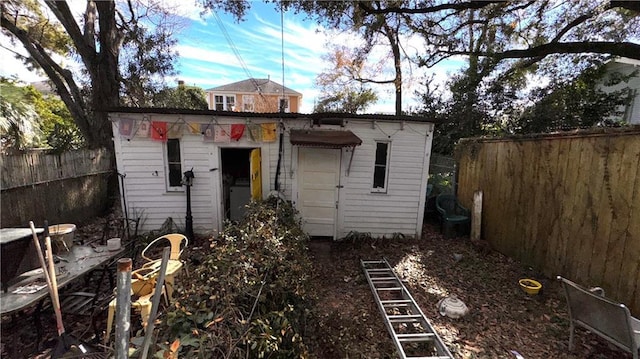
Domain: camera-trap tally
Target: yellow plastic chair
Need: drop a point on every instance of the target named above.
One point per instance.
(143, 284)
(178, 243)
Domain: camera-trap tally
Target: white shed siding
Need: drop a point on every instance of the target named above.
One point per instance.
(398, 210)
(401, 208)
(143, 162)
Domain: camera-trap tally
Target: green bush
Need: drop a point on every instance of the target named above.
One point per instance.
(247, 297)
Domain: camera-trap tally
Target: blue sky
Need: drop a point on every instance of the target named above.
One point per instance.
(206, 58)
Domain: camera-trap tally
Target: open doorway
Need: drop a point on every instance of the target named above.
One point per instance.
(241, 180)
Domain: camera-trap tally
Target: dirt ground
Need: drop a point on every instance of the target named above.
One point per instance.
(502, 319)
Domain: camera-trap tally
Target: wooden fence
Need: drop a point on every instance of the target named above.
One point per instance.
(71, 187)
(564, 204)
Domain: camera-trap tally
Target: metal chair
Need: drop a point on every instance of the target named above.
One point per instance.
(609, 320)
(143, 284)
(178, 243)
(452, 213)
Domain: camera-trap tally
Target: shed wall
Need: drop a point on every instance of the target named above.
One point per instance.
(400, 210)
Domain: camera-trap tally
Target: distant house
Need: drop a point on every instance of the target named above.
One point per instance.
(254, 95)
(625, 67)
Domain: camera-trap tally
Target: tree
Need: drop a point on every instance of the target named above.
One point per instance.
(578, 104)
(18, 118)
(96, 42)
(183, 96)
(59, 132)
(340, 92)
(524, 29)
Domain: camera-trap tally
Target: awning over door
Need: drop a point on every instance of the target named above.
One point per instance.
(324, 138)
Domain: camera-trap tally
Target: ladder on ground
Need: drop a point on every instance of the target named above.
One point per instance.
(410, 330)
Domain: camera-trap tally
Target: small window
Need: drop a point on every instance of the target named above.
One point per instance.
(231, 103)
(283, 105)
(174, 165)
(248, 103)
(381, 167)
(219, 103)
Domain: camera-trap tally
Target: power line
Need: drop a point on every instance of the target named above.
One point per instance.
(237, 55)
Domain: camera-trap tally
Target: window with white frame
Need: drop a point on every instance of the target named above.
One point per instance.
(283, 104)
(381, 167)
(173, 165)
(248, 103)
(225, 102)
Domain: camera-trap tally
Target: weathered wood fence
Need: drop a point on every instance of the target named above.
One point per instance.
(66, 188)
(564, 204)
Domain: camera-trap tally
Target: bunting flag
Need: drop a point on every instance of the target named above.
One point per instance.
(159, 131)
(125, 127)
(207, 132)
(222, 133)
(194, 128)
(175, 130)
(255, 132)
(237, 130)
(143, 129)
(268, 132)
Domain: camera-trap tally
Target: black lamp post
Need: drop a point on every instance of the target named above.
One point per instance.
(188, 181)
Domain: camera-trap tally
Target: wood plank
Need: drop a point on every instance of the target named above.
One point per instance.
(589, 184)
(555, 167)
(488, 156)
(604, 214)
(630, 259)
(528, 155)
(618, 184)
(593, 207)
(568, 218)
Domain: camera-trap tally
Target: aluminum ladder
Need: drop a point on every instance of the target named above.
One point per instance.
(412, 334)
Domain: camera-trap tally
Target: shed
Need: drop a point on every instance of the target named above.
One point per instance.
(343, 172)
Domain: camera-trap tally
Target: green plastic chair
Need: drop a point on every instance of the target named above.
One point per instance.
(452, 214)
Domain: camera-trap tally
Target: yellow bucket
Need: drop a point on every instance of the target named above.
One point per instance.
(530, 286)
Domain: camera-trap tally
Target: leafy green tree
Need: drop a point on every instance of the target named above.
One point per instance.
(59, 131)
(18, 118)
(577, 104)
(96, 41)
(183, 96)
(33, 120)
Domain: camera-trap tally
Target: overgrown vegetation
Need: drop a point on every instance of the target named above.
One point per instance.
(247, 294)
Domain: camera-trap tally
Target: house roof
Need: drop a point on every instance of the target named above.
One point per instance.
(324, 138)
(265, 86)
(328, 118)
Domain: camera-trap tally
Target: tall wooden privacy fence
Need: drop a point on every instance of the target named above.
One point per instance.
(70, 187)
(564, 204)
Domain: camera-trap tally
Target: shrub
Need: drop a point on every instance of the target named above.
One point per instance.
(248, 295)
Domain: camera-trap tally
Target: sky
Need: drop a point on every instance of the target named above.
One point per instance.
(208, 59)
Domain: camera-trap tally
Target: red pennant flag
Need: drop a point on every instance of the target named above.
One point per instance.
(237, 131)
(159, 131)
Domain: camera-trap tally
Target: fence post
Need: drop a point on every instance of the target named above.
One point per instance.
(476, 216)
(123, 308)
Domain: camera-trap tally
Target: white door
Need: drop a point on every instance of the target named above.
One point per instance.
(319, 176)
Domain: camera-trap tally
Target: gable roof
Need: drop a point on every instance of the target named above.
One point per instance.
(266, 86)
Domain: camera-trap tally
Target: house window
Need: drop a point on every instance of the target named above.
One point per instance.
(225, 102)
(283, 105)
(230, 103)
(174, 165)
(381, 167)
(248, 103)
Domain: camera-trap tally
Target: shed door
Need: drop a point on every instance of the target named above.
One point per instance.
(256, 174)
(319, 175)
